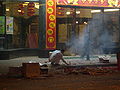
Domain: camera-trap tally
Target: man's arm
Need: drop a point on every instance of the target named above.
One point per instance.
(65, 61)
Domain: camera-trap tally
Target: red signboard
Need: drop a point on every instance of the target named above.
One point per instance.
(91, 3)
(50, 24)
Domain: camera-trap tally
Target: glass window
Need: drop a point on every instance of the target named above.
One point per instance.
(88, 31)
(22, 24)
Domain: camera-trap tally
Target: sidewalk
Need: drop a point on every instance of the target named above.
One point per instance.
(94, 60)
(72, 60)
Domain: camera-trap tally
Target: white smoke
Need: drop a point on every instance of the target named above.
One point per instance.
(97, 35)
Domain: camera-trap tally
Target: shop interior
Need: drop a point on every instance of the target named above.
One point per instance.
(21, 25)
(84, 31)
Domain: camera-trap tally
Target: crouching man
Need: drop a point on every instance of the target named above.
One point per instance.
(55, 58)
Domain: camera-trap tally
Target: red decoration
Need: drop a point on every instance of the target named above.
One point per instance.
(50, 24)
(31, 9)
(21, 9)
(90, 3)
(21, 5)
(31, 4)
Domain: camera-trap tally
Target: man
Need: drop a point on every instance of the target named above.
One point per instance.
(55, 57)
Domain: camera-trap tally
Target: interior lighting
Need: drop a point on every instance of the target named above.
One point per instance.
(76, 21)
(19, 10)
(77, 12)
(7, 9)
(85, 22)
(59, 7)
(25, 3)
(59, 13)
(37, 5)
(69, 1)
(110, 10)
(68, 13)
(95, 11)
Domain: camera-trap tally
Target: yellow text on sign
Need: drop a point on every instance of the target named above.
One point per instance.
(50, 31)
(50, 39)
(52, 25)
(50, 3)
(52, 17)
(50, 10)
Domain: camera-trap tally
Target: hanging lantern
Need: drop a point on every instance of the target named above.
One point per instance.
(21, 5)
(31, 9)
(21, 9)
(31, 4)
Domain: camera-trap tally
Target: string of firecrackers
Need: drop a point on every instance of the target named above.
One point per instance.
(50, 24)
(100, 3)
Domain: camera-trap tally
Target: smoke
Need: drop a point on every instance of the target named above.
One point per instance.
(97, 36)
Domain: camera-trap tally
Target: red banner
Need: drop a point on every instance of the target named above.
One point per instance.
(91, 3)
(50, 24)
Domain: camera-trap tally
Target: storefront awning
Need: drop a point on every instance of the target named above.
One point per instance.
(18, 0)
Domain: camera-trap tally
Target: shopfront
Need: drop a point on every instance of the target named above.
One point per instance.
(59, 24)
(20, 24)
(87, 27)
(19, 21)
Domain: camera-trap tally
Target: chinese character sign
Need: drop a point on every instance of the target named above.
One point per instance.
(50, 24)
(95, 3)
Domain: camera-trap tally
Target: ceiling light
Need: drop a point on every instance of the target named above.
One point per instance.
(85, 22)
(19, 10)
(76, 21)
(68, 13)
(7, 9)
(77, 12)
(110, 10)
(95, 11)
(26, 2)
(37, 5)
